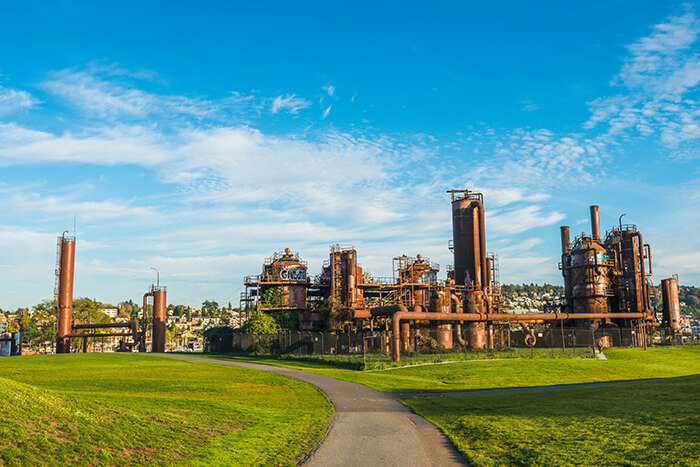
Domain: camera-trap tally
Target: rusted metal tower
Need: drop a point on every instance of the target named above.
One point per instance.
(64, 292)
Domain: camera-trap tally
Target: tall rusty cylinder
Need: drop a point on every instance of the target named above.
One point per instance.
(469, 240)
(65, 293)
(565, 239)
(159, 318)
(470, 264)
(672, 305)
(595, 223)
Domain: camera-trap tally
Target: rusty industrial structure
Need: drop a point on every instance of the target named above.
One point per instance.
(607, 284)
(67, 328)
(64, 291)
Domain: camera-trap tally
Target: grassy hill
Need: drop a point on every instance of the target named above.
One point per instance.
(143, 409)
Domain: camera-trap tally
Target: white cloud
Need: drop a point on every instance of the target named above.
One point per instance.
(329, 88)
(326, 112)
(289, 103)
(663, 69)
(109, 99)
(13, 100)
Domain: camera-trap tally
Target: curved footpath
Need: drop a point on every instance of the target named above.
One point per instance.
(369, 427)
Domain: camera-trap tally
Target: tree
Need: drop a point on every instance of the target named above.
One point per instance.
(272, 297)
(260, 323)
(209, 308)
(87, 310)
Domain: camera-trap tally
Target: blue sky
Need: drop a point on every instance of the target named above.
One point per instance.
(199, 139)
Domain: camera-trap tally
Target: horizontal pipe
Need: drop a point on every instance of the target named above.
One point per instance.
(103, 334)
(361, 314)
(102, 325)
(388, 310)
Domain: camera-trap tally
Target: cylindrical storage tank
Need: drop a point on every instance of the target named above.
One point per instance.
(595, 223)
(672, 304)
(65, 294)
(444, 335)
(467, 233)
(476, 335)
(160, 300)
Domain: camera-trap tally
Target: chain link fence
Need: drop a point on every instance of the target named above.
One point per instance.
(373, 351)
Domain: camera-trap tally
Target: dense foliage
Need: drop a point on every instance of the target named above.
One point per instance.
(260, 323)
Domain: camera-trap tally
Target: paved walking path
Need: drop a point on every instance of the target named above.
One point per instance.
(369, 428)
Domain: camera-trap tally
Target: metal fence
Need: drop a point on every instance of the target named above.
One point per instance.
(356, 350)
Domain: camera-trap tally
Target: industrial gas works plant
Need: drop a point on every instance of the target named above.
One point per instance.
(155, 299)
(606, 281)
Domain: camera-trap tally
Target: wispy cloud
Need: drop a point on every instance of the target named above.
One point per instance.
(289, 103)
(529, 105)
(329, 88)
(659, 77)
(13, 100)
(326, 112)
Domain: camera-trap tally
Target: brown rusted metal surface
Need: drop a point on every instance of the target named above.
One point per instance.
(606, 274)
(671, 305)
(469, 242)
(97, 334)
(65, 293)
(595, 223)
(160, 304)
(126, 324)
(565, 239)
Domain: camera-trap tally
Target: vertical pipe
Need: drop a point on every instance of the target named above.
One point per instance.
(142, 340)
(159, 318)
(595, 223)
(477, 250)
(565, 240)
(671, 305)
(482, 246)
(65, 294)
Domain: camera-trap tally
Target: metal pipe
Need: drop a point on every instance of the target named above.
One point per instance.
(99, 334)
(482, 248)
(159, 319)
(102, 325)
(458, 327)
(645, 289)
(387, 310)
(595, 223)
(530, 339)
(65, 294)
(565, 239)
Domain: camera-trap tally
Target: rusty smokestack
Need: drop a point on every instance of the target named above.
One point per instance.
(672, 305)
(66, 265)
(159, 318)
(565, 240)
(595, 223)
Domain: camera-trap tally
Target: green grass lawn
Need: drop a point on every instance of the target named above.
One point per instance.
(144, 409)
(643, 423)
(622, 364)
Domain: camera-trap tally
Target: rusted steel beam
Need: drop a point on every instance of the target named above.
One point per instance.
(102, 325)
(99, 334)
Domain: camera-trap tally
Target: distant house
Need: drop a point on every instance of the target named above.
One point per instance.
(111, 312)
